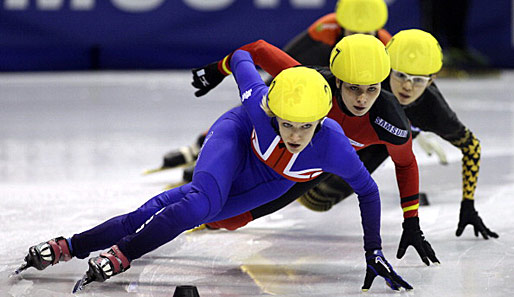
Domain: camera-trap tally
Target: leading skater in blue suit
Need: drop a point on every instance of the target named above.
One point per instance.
(252, 154)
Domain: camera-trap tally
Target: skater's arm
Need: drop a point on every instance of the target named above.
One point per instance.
(407, 176)
(344, 161)
(268, 57)
(433, 113)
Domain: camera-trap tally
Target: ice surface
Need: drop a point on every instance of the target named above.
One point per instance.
(73, 147)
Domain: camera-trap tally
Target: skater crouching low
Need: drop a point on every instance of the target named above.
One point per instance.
(252, 154)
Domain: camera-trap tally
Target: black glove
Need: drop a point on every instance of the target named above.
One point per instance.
(378, 265)
(468, 215)
(206, 78)
(412, 235)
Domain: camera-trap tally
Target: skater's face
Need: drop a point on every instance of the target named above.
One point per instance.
(358, 99)
(295, 135)
(408, 88)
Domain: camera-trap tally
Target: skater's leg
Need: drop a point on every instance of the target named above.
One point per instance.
(218, 164)
(53, 251)
(112, 230)
(220, 160)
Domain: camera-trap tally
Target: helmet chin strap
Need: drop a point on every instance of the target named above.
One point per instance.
(274, 124)
(318, 127)
(339, 99)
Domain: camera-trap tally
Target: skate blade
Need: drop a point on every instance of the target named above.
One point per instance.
(155, 170)
(81, 283)
(175, 185)
(19, 270)
(199, 228)
(150, 171)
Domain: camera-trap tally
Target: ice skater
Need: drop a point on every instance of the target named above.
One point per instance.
(311, 47)
(252, 154)
(415, 59)
(371, 118)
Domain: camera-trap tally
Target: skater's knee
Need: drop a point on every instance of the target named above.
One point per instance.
(196, 208)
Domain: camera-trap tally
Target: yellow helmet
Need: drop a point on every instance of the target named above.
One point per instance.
(361, 15)
(300, 94)
(360, 59)
(415, 52)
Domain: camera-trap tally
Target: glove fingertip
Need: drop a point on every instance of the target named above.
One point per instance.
(400, 253)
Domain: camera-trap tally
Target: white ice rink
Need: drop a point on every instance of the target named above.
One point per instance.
(73, 147)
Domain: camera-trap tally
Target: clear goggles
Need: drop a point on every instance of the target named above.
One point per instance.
(416, 80)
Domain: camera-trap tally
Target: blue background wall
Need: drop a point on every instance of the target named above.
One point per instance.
(167, 34)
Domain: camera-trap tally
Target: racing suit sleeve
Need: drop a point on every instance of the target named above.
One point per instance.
(432, 113)
(344, 161)
(407, 177)
(265, 55)
(308, 51)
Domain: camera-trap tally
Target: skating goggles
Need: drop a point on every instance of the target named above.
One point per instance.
(416, 80)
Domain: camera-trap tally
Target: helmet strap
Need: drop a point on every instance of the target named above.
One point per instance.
(339, 98)
(318, 127)
(274, 124)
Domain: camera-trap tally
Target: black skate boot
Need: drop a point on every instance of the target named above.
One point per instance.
(184, 156)
(187, 175)
(45, 254)
(104, 266)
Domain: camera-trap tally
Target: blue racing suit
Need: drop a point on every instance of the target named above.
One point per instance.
(243, 164)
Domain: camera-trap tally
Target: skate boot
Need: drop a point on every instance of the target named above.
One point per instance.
(104, 266)
(187, 175)
(45, 254)
(184, 156)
